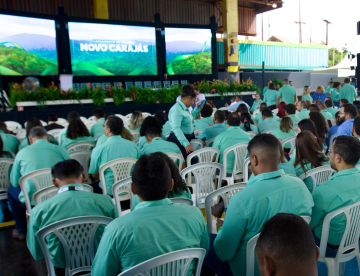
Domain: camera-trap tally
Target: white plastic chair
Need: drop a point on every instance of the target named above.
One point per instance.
(256, 112)
(167, 134)
(275, 111)
(146, 114)
(176, 158)
(210, 142)
(41, 179)
(5, 164)
(12, 125)
(64, 121)
(252, 133)
(77, 237)
(121, 168)
(196, 144)
(240, 151)
(290, 140)
(83, 119)
(250, 251)
(268, 131)
(332, 138)
(128, 115)
(81, 146)
(49, 192)
(204, 174)
(55, 133)
(318, 175)
(121, 186)
(223, 108)
(246, 170)
(135, 134)
(92, 118)
(120, 116)
(83, 157)
(349, 241)
(89, 124)
(226, 193)
(182, 200)
(43, 123)
(332, 120)
(204, 155)
(174, 263)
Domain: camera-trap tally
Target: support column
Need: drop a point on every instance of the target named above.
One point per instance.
(101, 10)
(230, 32)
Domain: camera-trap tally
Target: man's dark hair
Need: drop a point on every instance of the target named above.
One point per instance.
(268, 145)
(348, 147)
(239, 97)
(151, 177)
(219, 116)
(303, 104)
(160, 114)
(52, 117)
(290, 109)
(357, 125)
(37, 132)
(344, 101)
(336, 84)
(73, 115)
(356, 104)
(99, 113)
(150, 122)
(206, 111)
(347, 80)
(350, 109)
(267, 112)
(67, 169)
(337, 116)
(233, 119)
(76, 129)
(188, 90)
(272, 86)
(153, 132)
(277, 240)
(107, 115)
(329, 103)
(331, 81)
(242, 108)
(115, 124)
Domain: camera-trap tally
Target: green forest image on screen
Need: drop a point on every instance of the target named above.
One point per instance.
(188, 51)
(27, 46)
(110, 50)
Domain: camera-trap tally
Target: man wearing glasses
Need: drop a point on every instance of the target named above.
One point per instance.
(347, 114)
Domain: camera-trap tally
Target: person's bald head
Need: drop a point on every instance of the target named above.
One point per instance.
(264, 153)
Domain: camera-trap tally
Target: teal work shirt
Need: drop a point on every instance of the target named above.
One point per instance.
(40, 155)
(267, 124)
(265, 195)
(65, 205)
(270, 97)
(294, 118)
(342, 189)
(152, 229)
(25, 142)
(212, 131)
(348, 92)
(68, 142)
(182, 122)
(335, 95)
(102, 139)
(307, 97)
(265, 89)
(233, 135)
(308, 180)
(326, 114)
(303, 114)
(332, 111)
(142, 142)
(200, 125)
(136, 129)
(287, 94)
(283, 135)
(253, 128)
(114, 148)
(11, 143)
(98, 128)
(258, 118)
(286, 167)
(159, 145)
(62, 135)
(255, 105)
(208, 120)
(328, 88)
(166, 128)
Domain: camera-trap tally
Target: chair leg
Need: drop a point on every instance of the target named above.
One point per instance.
(342, 268)
(331, 267)
(358, 261)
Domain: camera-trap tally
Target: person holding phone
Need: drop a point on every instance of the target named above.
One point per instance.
(182, 121)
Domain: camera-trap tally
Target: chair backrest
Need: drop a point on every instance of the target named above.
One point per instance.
(49, 192)
(121, 168)
(43, 123)
(146, 114)
(246, 170)
(77, 237)
(81, 146)
(41, 178)
(268, 131)
(240, 151)
(166, 84)
(275, 111)
(196, 144)
(174, 263)
(223, 108)
(97, 137)
(204, 155)
(147, 84)
(184, 82)
(121, 186)
(62, 120)
(5, 164)
(54, 132)
(138, 84)
(252, 133)
(350, 238)
(175, 83)
(89, 124)
(204, 174)
(176, 158)
(332, 138)
(83, 157)
(256, 112)
(157, 84)
(128, 84)
(11, 125)
(226, 193)
(290, 140)
(92, 118)
(167, 135)
(318, 175)
(210, 142)
(332, 120)
(182, 200)
(135, 134)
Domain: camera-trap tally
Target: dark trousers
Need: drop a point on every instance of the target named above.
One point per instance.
(4, 204)
(125, 204)
(172, 138)
(272, 107)
(18, 209)
(96, 187)
(330, 252)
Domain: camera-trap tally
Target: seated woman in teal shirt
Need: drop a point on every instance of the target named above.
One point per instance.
(136, 121)
(256, 103)
(306, 94)
(180, 189)
(247, 124)
(77, 132)
(308, 156)
(284, 131)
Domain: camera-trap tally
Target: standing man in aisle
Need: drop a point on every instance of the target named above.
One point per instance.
(329, 87)
(348, 91)
(287, 94)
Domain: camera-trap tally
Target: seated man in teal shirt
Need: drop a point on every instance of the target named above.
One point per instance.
(268, 121)
(324, 111)
(303, 111)
(98, 129)
(155, 227)
(342, 189)
(218, 128)
(330, 107)
(290, 110)
(206, 115)
(270, 192)
(70, 201)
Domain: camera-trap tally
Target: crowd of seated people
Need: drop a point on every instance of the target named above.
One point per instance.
(271, 203)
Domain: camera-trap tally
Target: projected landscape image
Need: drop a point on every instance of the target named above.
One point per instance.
(27, 46)
(188, 51)
(107, 50)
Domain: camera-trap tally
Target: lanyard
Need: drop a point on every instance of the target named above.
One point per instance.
(192, 118)
(71, 188)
